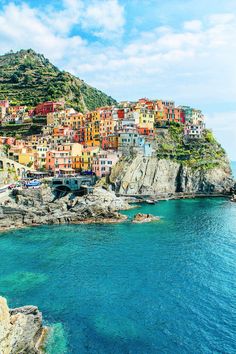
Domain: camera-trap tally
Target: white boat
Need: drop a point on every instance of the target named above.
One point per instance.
(150, 201)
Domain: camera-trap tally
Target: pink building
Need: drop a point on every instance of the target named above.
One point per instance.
(4, 103)
(104, 161)
(59, 160)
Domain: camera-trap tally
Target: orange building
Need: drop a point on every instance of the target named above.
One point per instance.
(110, 142)
(145, 131)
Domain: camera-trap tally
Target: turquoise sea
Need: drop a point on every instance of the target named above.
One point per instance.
(165, 287)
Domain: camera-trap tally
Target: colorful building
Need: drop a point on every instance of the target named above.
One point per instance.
(87, 157)
(104, 161)
(110, 142)
(44, 108)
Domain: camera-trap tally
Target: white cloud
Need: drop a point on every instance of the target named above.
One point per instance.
(104, 17)
(62, 21)
(194, 25)
(21, 27)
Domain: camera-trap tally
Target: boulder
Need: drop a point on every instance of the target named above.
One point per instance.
(21, 329)
(144, 218)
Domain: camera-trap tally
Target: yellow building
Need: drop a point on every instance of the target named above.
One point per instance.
(107, 127)
(54, 119)
(28, 157)
(74, 121)
(159, 116)
(146, 119)
(87, 157)
(91, 129)
(76, 163)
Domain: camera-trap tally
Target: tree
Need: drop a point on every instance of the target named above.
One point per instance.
(15, 78)
(27, 79)
(6, 148)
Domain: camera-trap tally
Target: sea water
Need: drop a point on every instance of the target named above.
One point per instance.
(163, 287)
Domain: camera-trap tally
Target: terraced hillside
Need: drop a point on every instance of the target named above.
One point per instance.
(29, 78)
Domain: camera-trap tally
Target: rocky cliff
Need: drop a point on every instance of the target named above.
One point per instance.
(21, 329)
(177, 165)
(153, 176)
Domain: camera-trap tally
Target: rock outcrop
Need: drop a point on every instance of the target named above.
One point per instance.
(233, 199)
(153, 176)
(144, 218)
(21, 329)
(39, 206)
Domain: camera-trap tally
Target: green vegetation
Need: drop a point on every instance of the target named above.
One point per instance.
(204, 153)
(27, 78)
(20, 130)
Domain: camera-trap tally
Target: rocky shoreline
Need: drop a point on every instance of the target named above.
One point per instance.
(21, 329)
(27, 208)
(37, 207)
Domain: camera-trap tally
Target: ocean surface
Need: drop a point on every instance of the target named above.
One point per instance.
(165, 287)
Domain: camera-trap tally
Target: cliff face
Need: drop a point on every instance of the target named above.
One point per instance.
(21, 329)
(151, 175)
(177, 165)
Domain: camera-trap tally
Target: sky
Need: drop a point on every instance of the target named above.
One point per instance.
(174, 49)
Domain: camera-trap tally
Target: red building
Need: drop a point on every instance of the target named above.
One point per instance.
(47, 107)
(182, 116)
(143, 100)
(121, 113)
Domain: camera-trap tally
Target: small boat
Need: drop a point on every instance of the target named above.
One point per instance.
(150, 201)
(34, 183)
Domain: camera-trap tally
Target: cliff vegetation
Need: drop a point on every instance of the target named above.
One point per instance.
(205, 153)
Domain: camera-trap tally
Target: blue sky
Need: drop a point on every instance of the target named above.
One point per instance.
(184, 50)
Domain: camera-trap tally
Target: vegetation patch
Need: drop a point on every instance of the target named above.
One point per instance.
(205, 153)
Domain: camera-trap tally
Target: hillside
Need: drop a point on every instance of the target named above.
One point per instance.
(29, 78)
